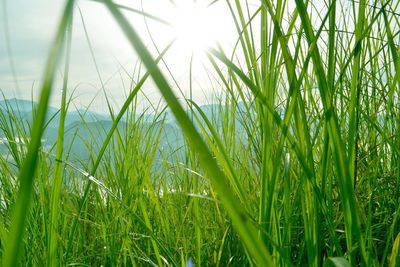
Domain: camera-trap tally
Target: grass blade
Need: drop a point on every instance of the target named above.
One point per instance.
(245, 228)
(27, 174)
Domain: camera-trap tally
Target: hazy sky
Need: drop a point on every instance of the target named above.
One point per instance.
(30, 26)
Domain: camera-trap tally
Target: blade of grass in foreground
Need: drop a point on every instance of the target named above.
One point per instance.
(221, 152)
(351, 214)
(58, 173)
(392, 47)
(105, 144)
(12, 246)
(245, 227)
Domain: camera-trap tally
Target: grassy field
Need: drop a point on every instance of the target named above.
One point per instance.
(296, 164)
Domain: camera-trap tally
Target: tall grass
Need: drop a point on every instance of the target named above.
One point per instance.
(296, 164)
(12, 245)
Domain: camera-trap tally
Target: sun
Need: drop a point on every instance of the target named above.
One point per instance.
(195, 26)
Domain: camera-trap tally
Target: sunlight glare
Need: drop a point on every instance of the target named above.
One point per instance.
(195, 26)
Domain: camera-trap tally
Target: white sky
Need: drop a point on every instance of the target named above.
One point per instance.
(32, 24)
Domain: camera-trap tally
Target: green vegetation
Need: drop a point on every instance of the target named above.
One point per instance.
(297, 164)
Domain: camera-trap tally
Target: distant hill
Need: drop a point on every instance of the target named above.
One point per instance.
(86, 130)
(17, 104)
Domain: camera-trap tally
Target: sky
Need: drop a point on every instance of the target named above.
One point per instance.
(27, 29)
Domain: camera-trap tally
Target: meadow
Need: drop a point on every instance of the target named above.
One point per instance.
(296, 163)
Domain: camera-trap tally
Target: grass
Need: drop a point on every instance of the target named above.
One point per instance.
(297, 163)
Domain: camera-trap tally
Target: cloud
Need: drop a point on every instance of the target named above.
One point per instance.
(32, 26)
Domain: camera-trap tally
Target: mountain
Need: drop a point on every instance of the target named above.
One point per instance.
(17, 105)
(86, 130)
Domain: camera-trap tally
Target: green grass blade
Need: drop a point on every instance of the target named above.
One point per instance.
(245, 228)
(352, 219)
(12, 250)
(355, 93)
(107, 140)
(336, 262)
(52, 259)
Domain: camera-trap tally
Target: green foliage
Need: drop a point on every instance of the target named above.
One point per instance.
(336, 262)
(296, 164)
